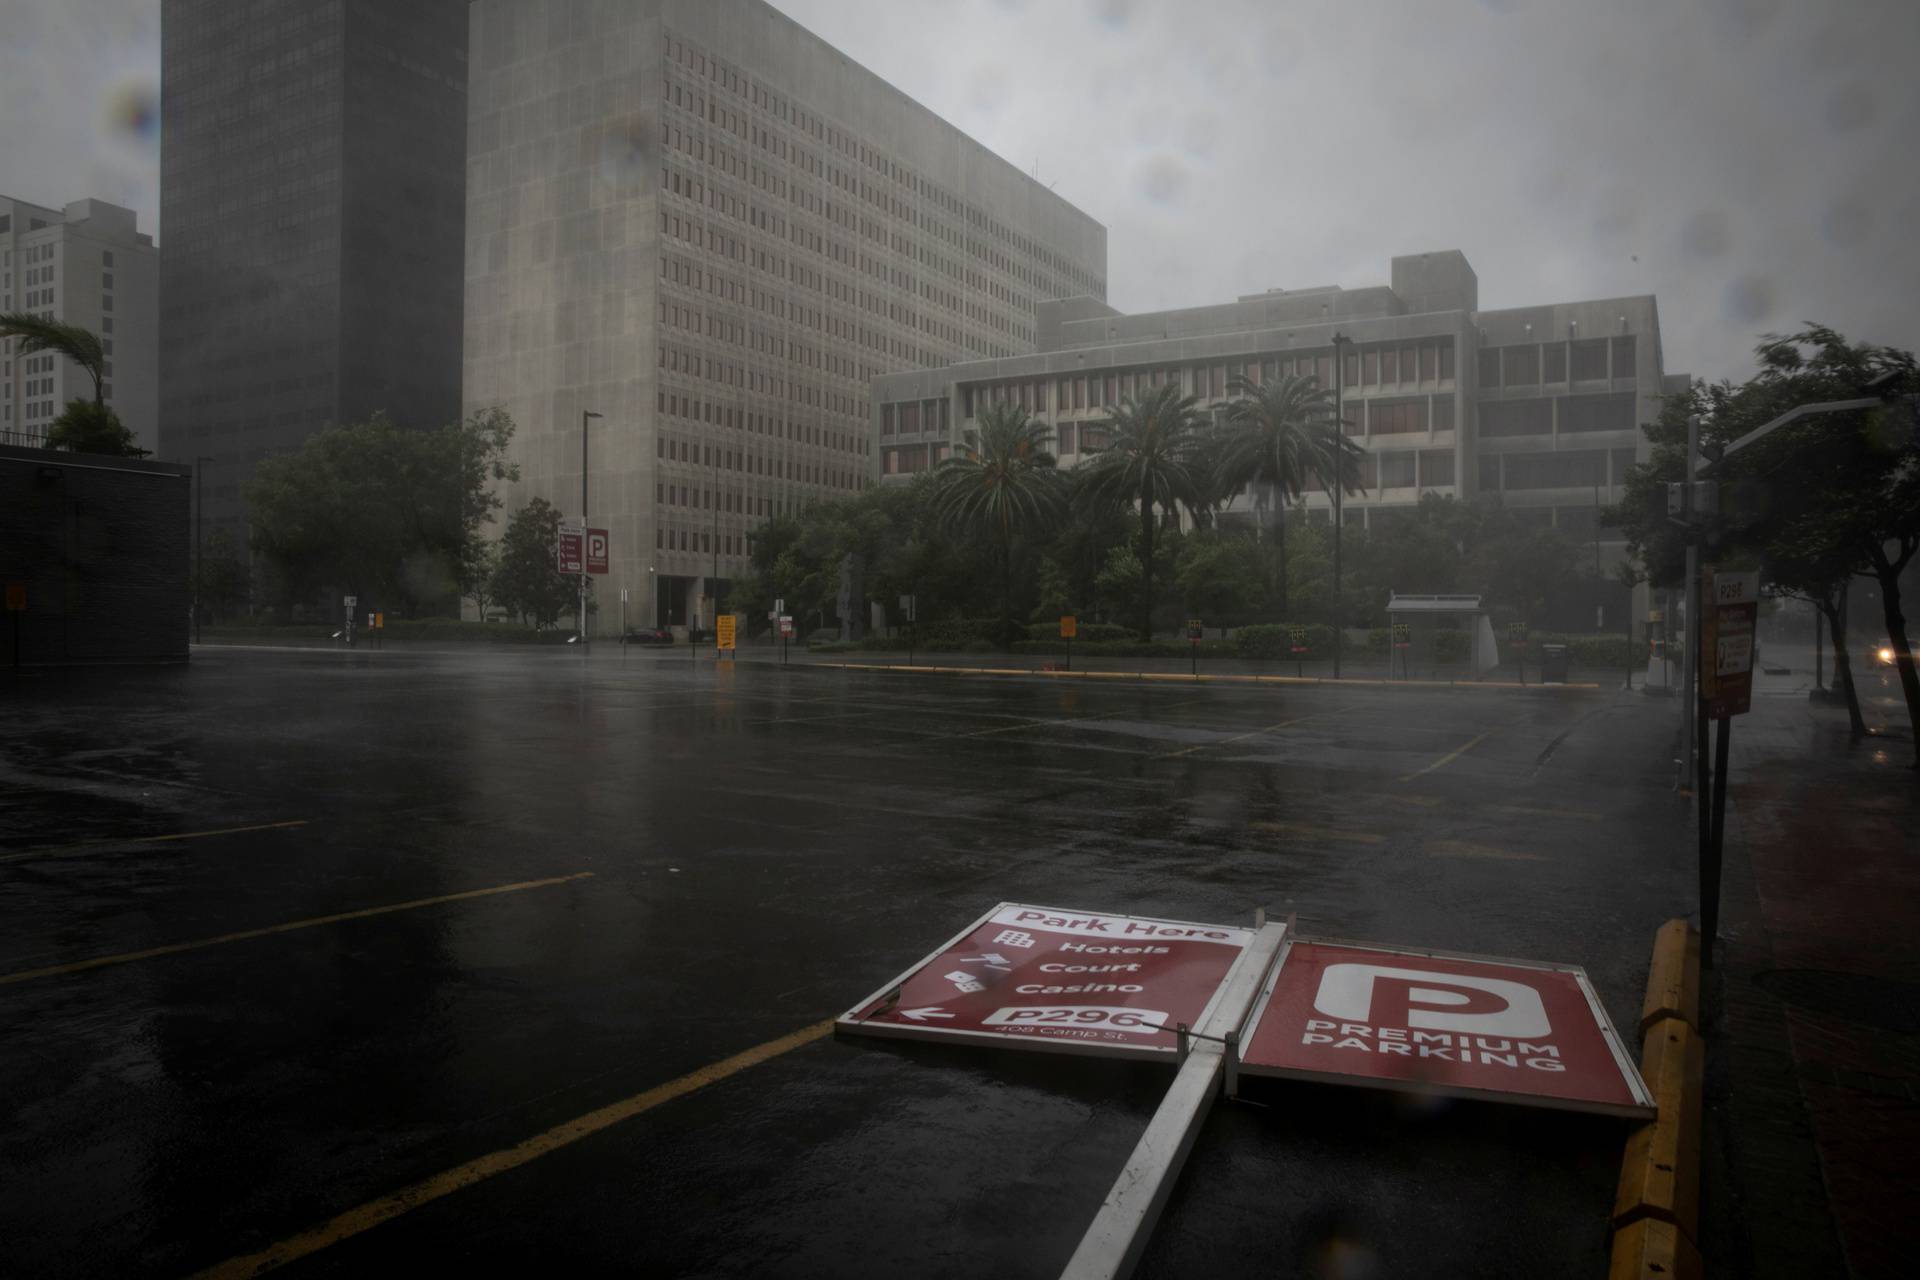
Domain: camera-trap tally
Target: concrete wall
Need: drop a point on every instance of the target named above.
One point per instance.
(103, 548)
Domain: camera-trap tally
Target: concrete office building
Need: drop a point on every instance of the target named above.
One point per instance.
(86, 264)
(312, 177)
(1540, 405)
(702, 222)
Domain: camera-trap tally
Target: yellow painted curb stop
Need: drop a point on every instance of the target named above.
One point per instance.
(1656, 1210)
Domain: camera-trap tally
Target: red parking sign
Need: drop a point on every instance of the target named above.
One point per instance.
(1045, 978)
(597, 555)
(1429, 1022)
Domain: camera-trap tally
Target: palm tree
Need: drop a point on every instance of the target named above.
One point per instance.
(1003, 482)
(1155, 455)
(78, 345)
(1269, 443)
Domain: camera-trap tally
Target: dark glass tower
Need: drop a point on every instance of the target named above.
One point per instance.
(312, 214)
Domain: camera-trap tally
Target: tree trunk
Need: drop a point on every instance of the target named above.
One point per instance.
(1843, 666)
(1888, 572)
(1006, 595)
(1146, 566)
(1280, 541)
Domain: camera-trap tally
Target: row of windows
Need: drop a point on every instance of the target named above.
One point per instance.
(1535, 416)
(1573, 468)
(1579, 360)
(913, 417)
(735, 418)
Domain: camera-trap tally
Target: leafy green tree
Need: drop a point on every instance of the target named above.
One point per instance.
(37, 334)
(1277, 438)
(1831, 495)
(1155, 456)
(527, 581)
(221, 580)
(1221, 577)
(381, 510)
(86, 426)
(1000, 485)
(479, 562)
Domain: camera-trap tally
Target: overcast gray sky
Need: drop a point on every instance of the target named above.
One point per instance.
(1751, 162)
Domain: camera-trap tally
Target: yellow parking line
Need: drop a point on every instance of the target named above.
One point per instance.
(1450, 757)
(45, 849)
(1464, 849)
(375, 1212)
(1320, 833)
(173, 948)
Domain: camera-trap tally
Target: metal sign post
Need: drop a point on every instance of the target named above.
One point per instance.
(1517, 637)
(1194, 633)
(786, 633)
(1403, 641)
(352, 602)
(1297, 641)
(1069, 628)
(909, 605)
(1729, 615)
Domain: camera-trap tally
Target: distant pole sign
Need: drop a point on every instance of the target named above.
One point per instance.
(1517, 634)
(351, 602)
(1402, 635)
(1195, 632)
(1069, 626)
(1297, 638)
(1733, 611)
(723, 631)
(1437, 1023)
(597, 551)
(1060, 981)
(571, 557)
(786, 626)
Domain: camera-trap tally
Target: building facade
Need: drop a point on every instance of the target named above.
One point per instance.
(86, 264)
(706, 225)
(312, 174)
(1540, 405)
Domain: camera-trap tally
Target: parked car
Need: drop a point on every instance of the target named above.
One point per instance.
(648, 635)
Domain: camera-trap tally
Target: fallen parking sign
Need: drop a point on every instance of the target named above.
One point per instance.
(1432, 1022)
(1062, 981)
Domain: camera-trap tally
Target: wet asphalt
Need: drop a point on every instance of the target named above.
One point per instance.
(766, 846)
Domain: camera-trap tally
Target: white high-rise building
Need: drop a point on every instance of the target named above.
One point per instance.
(709, 226)
(84, 265)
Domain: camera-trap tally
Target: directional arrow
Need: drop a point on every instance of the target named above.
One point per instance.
(993, 960)
(923, 1013)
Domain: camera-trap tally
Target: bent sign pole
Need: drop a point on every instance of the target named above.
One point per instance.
(1730, 612)
(1120, 1231)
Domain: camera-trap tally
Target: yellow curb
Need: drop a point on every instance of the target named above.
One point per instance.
(1210, 677)
(1673, 980)
(1660, 1173)
(1650, 1250)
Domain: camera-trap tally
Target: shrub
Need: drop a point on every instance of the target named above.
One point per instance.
(1089, 632)
(1275, 640)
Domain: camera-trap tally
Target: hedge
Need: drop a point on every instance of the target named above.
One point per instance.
(1275, 640)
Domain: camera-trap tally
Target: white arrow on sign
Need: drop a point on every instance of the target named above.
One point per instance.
(923, 1013)
(993, 960)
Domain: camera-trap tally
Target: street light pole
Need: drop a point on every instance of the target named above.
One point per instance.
(581, 629)
(199, 543)
(1339, 459)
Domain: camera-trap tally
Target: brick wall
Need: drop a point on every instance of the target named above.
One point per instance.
(103, 546)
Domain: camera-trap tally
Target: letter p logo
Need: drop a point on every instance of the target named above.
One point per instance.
(1431, 1001)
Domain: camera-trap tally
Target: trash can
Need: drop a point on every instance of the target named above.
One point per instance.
(1553, 664)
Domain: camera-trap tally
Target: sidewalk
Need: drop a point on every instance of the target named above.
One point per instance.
(1813, 1085)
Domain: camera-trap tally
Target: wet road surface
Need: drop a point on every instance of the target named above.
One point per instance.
(286, 933)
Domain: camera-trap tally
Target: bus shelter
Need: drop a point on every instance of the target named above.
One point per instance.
(1426, 617)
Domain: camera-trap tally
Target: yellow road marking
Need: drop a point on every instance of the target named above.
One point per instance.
(375, 1212)
(1320, 833)
(1450, 757)
(172, 948)
(1464, 849)
(1242, 737)
(42, 850)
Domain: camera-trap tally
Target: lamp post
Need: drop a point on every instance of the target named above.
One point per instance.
(581, 629)
(199, 544)
(1339, 456)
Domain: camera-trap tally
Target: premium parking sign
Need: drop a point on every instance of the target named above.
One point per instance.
(1052, 979)
(1431, 1022)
